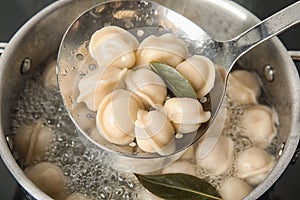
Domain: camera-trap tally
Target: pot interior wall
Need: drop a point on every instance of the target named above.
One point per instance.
(39, 41)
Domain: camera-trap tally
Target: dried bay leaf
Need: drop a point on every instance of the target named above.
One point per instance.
(177, 83)
(178, 186)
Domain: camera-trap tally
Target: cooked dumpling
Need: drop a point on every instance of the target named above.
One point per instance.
(147, 85)
(50, 79)
(181, 166)
(116, 116)
(258, 123)
(254, 165)
(113, 46)
(154, 132)
(96, 85)
(234, 188)
(78, 196)
(49, 178)
(140, 166)
(186, 114)
(95, 136)
(166, 48)
(243, 87)
(32, 141)
(144, 194)
(219, 159)
(188, 154)
(200, 72)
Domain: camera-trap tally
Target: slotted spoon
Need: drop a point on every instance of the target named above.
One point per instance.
(146, 17)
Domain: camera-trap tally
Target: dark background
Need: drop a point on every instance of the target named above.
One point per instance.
(14, 13)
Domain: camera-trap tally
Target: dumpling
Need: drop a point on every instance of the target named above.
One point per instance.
(234, 188)
(95, 136)
(243, 87)
(116, 116)
(181, 166)
(154, 132)
(258, 125)
(254, 164)
(219, 159)
(147, 85)
(33, 141)
(166, 48)
(49, 178)
(96, 85)
(50, 79)
(78, 196)
(140, 166)
(186, 114)
(200, 72)
(144, 194)
(113, 46)
(188, 154)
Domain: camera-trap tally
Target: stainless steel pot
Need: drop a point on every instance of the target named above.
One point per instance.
(39, 38)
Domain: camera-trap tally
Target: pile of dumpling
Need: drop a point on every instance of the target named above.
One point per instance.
(239, 170)
(131, 100)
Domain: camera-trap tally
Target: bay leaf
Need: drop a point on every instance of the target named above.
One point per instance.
(177, 83)
(178, 186)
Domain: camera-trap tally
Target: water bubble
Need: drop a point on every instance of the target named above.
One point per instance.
(140, 33)
(119, 192)
(128, 24)
(92, 67)
(79, 57)
(149, 21)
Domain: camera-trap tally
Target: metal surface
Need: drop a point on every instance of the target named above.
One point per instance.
(33, 35)
(2, 47)
(295, 55)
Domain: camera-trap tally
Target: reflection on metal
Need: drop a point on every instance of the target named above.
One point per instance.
(269, 73)
(26, 66)
(295, 55)
(2, 47)
(296, 156)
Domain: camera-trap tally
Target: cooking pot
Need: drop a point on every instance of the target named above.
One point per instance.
(38, 41)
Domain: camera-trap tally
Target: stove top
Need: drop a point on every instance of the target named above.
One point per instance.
(14, 13)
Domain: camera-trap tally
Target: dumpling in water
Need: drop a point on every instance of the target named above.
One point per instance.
(49, 178)
(147, 85)
(166, 49)
(113, 46)
(200, 72)
(181, 166)
(154, 132)
(259, 126)
(78, 196)
(243, 87)
(219, 159)
(188, 154)
(146, 195)
(49, 75)
(254, 165)
(234, 189)
(96, 85)
(186, 114)
(116, 116)
(32, 141)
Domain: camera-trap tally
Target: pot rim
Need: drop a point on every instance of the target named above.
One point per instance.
(8, 158)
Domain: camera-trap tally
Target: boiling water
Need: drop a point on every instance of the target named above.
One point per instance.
(232, 128)
(89, 171)
(86, 171)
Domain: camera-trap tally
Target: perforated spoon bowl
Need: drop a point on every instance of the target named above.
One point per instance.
(144, 18)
